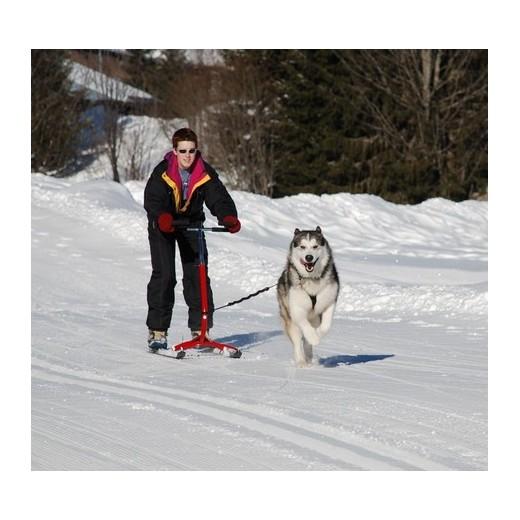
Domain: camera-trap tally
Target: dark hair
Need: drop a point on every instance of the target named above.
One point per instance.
(184, 134)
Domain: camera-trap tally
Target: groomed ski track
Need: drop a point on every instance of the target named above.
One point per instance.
(395, 390)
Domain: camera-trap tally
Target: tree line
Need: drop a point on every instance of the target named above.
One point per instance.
(406, 125)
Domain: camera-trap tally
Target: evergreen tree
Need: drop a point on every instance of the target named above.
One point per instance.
(161, 74)
(313, 122)
(55, 113)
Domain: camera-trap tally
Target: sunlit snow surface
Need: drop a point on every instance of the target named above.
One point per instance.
(400, 382)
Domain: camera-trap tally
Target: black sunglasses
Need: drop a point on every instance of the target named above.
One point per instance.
(191, 150)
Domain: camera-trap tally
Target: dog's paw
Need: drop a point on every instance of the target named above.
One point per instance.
(322, 331)
(312, 337)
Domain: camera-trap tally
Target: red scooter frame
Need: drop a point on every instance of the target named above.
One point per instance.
(202, 340)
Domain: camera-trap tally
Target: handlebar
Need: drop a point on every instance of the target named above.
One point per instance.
(221, 229)
(187, 226)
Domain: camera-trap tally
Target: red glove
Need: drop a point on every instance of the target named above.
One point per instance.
(165, 222)
(232, 223)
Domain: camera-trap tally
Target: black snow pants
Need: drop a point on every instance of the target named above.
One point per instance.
(160, 292)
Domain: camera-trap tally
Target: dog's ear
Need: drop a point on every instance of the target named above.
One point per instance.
(318, 230)
(296, 231)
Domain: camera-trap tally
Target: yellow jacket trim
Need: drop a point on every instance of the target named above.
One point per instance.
(202, 181)
(176, 194)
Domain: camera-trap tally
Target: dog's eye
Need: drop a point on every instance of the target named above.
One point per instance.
(314, 247)
(302, 247)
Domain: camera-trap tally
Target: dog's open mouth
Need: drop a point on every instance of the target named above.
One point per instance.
(309, 266)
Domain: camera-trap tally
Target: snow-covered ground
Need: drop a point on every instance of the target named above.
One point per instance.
(401, 380)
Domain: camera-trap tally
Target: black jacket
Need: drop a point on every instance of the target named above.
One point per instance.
(162, 195)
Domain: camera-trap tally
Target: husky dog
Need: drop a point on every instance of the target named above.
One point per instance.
(307, 292)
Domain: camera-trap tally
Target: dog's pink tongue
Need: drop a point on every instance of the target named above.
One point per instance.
(308, 266)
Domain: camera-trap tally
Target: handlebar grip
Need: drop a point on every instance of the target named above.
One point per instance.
(221, 229)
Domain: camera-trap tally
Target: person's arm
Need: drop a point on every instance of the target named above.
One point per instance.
(156, 193)
(217, 198)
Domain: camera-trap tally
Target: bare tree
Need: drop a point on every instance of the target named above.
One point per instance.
(428, 106)
(114, 137)
(144, 139)
(240, 139)
(136, 156)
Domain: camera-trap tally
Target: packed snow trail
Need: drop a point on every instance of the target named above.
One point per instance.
(401, 380)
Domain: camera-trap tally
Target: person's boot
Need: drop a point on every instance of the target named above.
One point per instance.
(157, 339)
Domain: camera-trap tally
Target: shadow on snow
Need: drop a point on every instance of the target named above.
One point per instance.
(250, 340)
(253, 339)
(335, 361)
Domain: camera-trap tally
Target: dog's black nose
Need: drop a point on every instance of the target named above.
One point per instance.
(309, 258)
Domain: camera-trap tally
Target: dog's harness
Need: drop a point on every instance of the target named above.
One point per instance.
(325, 270)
